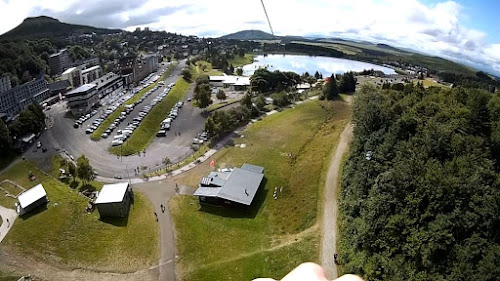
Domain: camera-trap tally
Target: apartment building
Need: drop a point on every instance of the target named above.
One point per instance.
(13, 100)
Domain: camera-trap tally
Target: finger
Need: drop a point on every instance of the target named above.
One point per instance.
(349, 277)
(306, 271)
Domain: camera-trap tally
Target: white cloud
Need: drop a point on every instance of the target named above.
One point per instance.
(436, 29)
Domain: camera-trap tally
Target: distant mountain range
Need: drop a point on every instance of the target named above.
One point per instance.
(47, 27)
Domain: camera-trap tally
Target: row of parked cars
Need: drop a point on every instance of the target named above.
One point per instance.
(122, 135)
(84, 118)
(167, 123)
(110, 109)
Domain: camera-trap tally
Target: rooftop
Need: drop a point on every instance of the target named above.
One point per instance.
(112, 193)
(31, 195)
(106, 79)
(69, 70)
(82, 89)
(59, 85)
(239, 186)
(91, 69)
(231, 79)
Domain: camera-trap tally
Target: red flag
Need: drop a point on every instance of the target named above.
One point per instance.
(212, 163)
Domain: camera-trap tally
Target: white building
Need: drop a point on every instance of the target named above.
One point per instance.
(30, 199)
(238, 83)
(91, 74)
(114, 200)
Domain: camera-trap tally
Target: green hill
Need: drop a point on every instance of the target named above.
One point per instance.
(47, 27)
(250, 35)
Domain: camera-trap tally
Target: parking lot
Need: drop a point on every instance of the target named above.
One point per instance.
(176, 145)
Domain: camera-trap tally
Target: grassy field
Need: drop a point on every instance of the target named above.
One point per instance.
(238, 61)
(5, 276)
(150, 125)
(64, 234)
(342, 48)
(96, 135)
(429, 83)
(274, 235)
(204, 67)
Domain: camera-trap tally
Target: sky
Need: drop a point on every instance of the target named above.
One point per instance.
(465, 31)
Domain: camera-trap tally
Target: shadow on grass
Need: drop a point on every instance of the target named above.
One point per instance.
(240, 211)
(116, 221)
(37, 210)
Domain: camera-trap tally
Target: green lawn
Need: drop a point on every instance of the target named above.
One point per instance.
(238, 61)
(204, 67)
(429, 83)
(150, 125)
(274, 236)
(5, 276)
(96, 135)
(64, 234)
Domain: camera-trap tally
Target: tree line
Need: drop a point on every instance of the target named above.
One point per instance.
(30, 120)
(264, 80)
(420, 196)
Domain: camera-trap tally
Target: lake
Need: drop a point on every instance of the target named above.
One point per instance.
(300, 64)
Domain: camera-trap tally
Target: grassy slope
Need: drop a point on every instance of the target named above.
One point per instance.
(238, 61)
(65, 235)
(148, 128)
(224, 244)
(5, 276)
(96, 135)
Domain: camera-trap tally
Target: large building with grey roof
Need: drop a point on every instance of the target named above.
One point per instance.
(236, 187)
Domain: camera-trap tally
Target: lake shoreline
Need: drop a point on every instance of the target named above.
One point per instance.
(305, 63)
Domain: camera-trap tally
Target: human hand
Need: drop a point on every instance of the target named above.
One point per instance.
(310, 272)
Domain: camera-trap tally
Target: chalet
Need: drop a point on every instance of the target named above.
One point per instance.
(236, 187)
(30, 199)
(114, 200)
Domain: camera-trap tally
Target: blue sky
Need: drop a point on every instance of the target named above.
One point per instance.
(480, 14)
(461, 30)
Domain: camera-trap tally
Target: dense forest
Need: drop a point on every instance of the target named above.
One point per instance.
(24, 60)
(420, 195)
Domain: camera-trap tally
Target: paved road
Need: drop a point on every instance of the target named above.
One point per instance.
(329, 229)
(64, 137)
(6, 214)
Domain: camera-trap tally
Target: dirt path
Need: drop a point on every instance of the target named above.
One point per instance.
(329, 230)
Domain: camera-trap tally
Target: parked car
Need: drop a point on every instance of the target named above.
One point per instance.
(161, 133)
